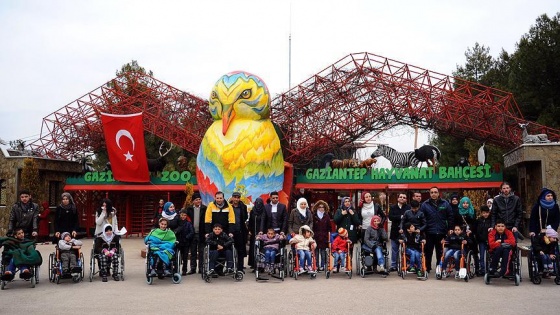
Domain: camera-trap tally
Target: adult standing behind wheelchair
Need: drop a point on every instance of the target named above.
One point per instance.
(66, 217)
(106, 214)
(24, 215)
(545, 212)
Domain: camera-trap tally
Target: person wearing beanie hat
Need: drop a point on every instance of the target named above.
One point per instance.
(67, 246)
(339, 249)
(545, 247)
(374, 241)
(66, 218)
(196, 213)
(545, 212)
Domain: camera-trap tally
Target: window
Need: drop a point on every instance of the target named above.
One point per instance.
(3, 191)
(54, 192)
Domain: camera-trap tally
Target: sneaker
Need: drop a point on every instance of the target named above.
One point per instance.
(412, 270)
(152, 273)
(309, 268)
(380, 268)
(444, 274)
(211, 271)
(7, 276)
(321, 268)
(342, 269)
(104, 279)
(167, 272)
(229, 270)
(192, 271)
(116, 277)
(457, 275)
(300, 270)
(420, 274)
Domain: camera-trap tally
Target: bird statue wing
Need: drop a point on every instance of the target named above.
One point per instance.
(481, 155)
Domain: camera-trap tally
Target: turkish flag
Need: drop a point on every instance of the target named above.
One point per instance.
(124, 138)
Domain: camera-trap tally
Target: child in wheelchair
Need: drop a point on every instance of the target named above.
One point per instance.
(500, 241)
(304, 244)
(545, 249)
(220, 244)
(161, 245)
(271, 242)
(413, 240)
(340, 249)
(455, 243)
(68, 247)
(18, 252)
(374, 239)
(106, 245)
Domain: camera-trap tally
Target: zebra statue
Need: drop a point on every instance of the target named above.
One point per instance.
(426, 153)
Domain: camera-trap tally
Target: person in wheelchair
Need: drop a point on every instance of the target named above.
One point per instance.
(545, 249)
(304, 244)
(271, 242)
(500, 241)
(107, 247)
(68, 247)
(20, 252)
(220, 244)
(161, 242)
(454, 241)
(340, 248)
(412, 238)
(374, 239)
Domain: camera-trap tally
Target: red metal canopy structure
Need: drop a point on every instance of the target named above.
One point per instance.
(359, 94)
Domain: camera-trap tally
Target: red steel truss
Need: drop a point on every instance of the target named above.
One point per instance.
(357, 95)
(169, 113)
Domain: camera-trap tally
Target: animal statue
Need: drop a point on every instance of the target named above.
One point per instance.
(241, 149)
(538, 138)
(481, 155)
(348, 163)
(87, 165)
(326, 161)
(463, 161)
(157, 165)
(182, 163)
(426, 153)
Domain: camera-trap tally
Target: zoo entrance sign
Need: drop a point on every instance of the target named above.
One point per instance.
(482, 173)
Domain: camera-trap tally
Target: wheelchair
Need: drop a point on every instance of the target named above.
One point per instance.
(293, 264)
(174, 266)
(466, 263)
(334, 266)
(33, 277)
(94, 260)
(404, 260)
(535, 273)
(220, 265)
(514, 266)
(280, 267)
(366, 261)
(56, 269)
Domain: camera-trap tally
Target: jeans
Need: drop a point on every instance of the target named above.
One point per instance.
(394, 253)
(270, 255)
(414, 256)
(378, 253)
(341, 256)
(456, 253)
(304, 258)
(214, 254)
(482, 247)
(12, 267)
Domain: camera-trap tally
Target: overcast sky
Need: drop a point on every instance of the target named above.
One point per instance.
(53, 52)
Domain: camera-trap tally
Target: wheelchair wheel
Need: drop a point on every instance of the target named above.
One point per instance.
(291, 263)
(149, 280)
(2, 284)
(82, 265)
(486, 278)
(176, 278)
(238, 276)
(121, 263)
(401, 263)
(51, 267)
(91, 265)
(327, 274)
(517, 279)
(205, 261)
(439, 272)
(557, 280)
(470, 264)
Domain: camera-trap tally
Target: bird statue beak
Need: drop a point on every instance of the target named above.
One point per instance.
(227, 117)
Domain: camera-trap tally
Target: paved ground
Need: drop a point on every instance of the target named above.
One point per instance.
(224, 296)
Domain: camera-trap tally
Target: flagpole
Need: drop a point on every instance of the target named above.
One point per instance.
(290, 52)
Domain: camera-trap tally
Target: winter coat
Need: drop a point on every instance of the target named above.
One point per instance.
(454, 241)
(24, 216)
(66, 219)
(418, 219)
(301, 242)
(66, 246)
(395, 215)
(101, 219)
(551, 216)
(272, 243)
(281, 217)
(321, 227)
(340, 243)
(222, 239)
(506, 237)
(439, 216)
(296, 220)
(99, 244)
(412, 240)
(184, 232)
(481, 228)
(201, 218)
(348, 221)
(223, 215)
(539, 244)
(508, 209)
(375, 237)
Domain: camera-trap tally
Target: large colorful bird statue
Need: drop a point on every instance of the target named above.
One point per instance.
(241, 149)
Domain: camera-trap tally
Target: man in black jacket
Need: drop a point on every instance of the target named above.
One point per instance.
(507, 207)
(275, 215)
(196, 213)
(240, 231)
(396, 213)
(24, 215)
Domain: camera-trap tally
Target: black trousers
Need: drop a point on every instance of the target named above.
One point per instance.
(197, 252)
(433, 241)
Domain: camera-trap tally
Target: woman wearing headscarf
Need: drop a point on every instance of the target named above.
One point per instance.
(106, 214)
(545, 212)
(466, 213)
(346, 217)
(255, 221)
(170, 214)
(66, 217)
(299, 217)
(106, 246)
(367, 210)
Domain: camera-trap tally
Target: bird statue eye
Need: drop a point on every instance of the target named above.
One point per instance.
(214, 95)
(245, 94)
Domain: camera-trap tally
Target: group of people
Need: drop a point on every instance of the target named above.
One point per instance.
(226, 224)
